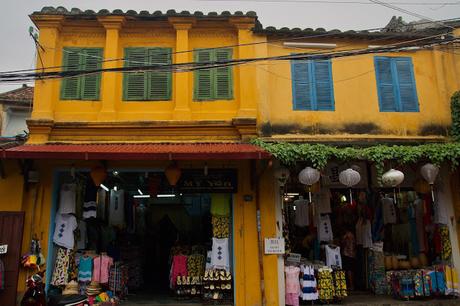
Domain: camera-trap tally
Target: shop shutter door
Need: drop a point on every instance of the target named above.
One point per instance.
(70, 86)
(407, 89)
(223, 75)
(386, 92)
(323, 85)
(11, 229)
(301, 87)
(203, 77)
(134, 83)
(91, 82)
(159, 82)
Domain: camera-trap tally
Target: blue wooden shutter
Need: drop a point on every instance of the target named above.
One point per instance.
(223, 85)
(301, 87)
(408, 101)
(324, 91)
(135, 83)
(70, 86)
(159, 82)
(203, 88)
(90, 88)
(385, 87)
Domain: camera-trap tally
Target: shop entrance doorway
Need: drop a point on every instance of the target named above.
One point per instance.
(138, 239)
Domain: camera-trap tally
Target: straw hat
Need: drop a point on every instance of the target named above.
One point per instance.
(71, 288)
(93, 288)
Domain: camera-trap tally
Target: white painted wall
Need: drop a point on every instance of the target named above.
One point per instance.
(14, 122)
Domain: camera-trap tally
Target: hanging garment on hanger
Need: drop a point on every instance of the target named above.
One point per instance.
(324, 228)
(117, 208)
(292, 285)
(63, 232)
(67, 199)
(302, 217)
(220, 254)
(333, 257)
(309, 291)
(85, 269)
(101, 268)
(367, 234)
(389, 211)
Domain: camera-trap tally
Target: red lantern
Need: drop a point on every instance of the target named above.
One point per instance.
(98, 174)
(173, 173)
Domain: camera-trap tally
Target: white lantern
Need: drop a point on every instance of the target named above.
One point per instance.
(349, 178)
(309, 176)
(429, 173)
(282, 175)
(393, 178)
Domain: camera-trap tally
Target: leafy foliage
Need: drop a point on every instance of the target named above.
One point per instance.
(320, 154)
(455, 112)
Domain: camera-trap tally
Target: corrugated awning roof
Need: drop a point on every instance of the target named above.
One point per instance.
(197, 151)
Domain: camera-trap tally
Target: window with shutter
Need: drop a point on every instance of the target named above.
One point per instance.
(396, 84)
(213, 83)
(147, 86)
(85, 87)
(312, 85)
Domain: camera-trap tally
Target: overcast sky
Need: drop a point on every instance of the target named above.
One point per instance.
(17, 49)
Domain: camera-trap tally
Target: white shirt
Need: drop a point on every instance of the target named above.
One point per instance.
(117, 208)
(302, 217)
(220, 254)
(63, 232)
(333, 257)
(389, 211)
(324, 228)
(67, 199)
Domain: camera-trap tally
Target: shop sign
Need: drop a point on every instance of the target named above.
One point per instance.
(3, 249)
(294, 257)
(274, 246)
(214, 181)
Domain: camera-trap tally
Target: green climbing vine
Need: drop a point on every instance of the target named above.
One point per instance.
(455, 112)
(320, 154)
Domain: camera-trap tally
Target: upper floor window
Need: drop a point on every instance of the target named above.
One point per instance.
(85, 87)
(147, 86)
(312, 85)
(213, 83)
(396, 84)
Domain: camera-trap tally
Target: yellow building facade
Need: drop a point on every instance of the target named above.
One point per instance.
(260, 105)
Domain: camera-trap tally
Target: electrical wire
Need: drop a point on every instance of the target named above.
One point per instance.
(193, 66)
(337, 2)
(223, 47)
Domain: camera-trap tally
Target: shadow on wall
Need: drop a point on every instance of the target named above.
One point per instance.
(267, 129)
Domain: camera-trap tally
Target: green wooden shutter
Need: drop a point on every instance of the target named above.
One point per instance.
(159, 82)
(91, 83)
(135, 83)
(70, 86)
(203, 77)
(223, 85)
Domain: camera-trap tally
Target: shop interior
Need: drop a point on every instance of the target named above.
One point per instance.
(349, 231)
(138, 236)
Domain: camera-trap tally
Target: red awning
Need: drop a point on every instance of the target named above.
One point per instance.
(196, 151)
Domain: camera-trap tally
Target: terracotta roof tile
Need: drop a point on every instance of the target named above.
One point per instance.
(164, 151)
(23, 94)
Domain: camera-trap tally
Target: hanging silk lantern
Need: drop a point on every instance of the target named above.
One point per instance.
(173, 173)
(349, 178)
(282, 175)
(98, 175)
(309, 176)
(429, 173)
(393, 178)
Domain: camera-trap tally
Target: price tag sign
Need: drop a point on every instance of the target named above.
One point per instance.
(294, 257)
(274, 246)
(3, 248)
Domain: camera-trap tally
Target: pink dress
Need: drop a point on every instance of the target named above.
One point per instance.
(101, 268)
(292, 285)
(178, 268)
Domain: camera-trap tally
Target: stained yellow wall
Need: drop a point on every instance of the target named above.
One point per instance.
(356, 98)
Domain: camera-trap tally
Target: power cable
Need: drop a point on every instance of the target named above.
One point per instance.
(225, 47)
(338, 2)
